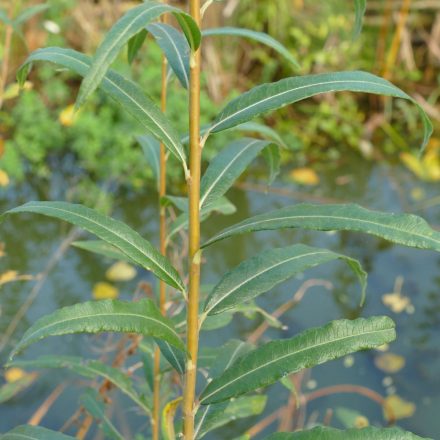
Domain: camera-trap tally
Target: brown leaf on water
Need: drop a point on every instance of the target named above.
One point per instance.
(396, 301)
(398, 408)
(12, 275)
(304, 176)
(120, 271)
(389, 362)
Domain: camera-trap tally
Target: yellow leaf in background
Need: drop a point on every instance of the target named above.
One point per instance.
(13, 90)
(389, 362)
(8, 276)
(68, 116)
(304, 176)
(398, 408)
(14, 374)
(4, 178)
(361, 422)
(121, 271)
(428, 167)
(396, 302)
(104, 290)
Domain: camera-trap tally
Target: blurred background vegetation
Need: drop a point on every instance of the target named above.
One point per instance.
(400, 40)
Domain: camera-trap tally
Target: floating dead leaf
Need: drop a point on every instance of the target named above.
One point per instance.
(396, 408)
(389, 362)
(351, 418)
(12, 275)
(304, 176)
(120, 271)
(396, 301)
(4, 178)
(14, 374)
(104, 290)
(68, 116)
(428, 167)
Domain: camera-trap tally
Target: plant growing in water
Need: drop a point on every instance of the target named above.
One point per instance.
(239, 368)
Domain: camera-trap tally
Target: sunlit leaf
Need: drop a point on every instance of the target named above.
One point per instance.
(103, 290)
(120, 271)
(68, 116)
(304, 176)
(398, 408)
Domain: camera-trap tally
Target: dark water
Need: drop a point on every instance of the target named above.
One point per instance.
(30, 241)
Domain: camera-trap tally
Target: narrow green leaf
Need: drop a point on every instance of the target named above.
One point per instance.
(11, 389)
(124, 91)
(262, 272)
(273, 159)
(175, 357)
(151, 149)
(29, 12)
(122, 31)
(360, 6)
(212, 417)
(101, 248)
(175, 48)
(134, 45)
(325, 433)
(27, 432)
(226, 167)
(272, 96)
(263, 130)
(113, 232)
(260, 37)
(181, 203)
(190, 29)
(405, 229)
(272, 361)
(92, 401)
(142, 317)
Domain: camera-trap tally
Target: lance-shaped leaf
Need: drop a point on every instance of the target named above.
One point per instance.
(326, 433)
(122, 31)
(273, 159)
(226, 167)
(151, 150)
(101, 248)
(122, 90)
(134, 44)
(90, 369)
(29, 12)
(92, 401)
(360, 6)
(272, 361)
(113, 232)
(142, 318)
(260, 37)
(406, 229)
(260, 273)
(211, 417)
(272, 96)
(175, 48)
(221, 205)
(27, 432)
(263, 130)
(175, 357)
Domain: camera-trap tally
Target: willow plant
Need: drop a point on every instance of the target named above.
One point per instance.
(239, 369)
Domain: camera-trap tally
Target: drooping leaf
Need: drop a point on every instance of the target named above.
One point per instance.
(270, 362)
(134, 44)
(168, 414)
(151, 149)
(29, 12)
(272, 96)
(174, 356)
(190, 29)
(405, 229)
(211, 417)
(263, 130)
(113, 232)
(273, 159)
(92, 402)
(124, 91)
(27, 432)
(102, 248)
(260, 37)
(221, 205)
(121, 32)
(175, 48)
(142, 317)
(326, 433)
(90, 369)
(262, 272)
(226, 167)
(360, 6)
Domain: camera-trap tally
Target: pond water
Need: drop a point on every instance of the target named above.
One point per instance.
(31, 240)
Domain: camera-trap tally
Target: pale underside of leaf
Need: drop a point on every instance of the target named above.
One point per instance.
(405, 229)
(272, 361)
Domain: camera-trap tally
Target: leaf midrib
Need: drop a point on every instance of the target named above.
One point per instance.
(264, 271)
(293, 354)
(232, 115)
(325, 216)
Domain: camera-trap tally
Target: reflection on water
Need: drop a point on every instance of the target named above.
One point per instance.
(30, 241)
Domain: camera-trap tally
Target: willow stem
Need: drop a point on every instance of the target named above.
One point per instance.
(163, 249)
(188, 405)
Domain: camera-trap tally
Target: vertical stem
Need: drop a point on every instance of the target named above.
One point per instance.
(163, 250)
(6, 54)
(188, 405)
